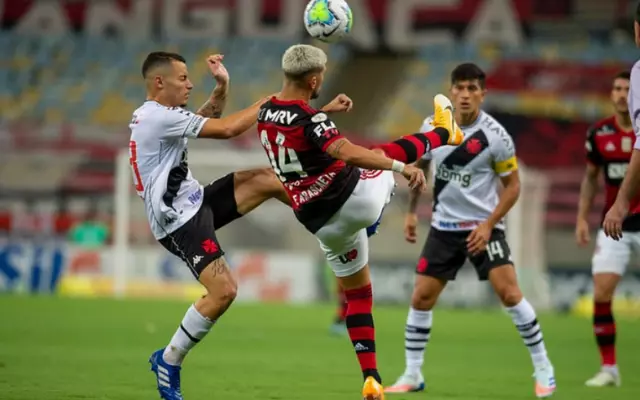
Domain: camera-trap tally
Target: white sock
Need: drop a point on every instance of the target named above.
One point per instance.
(416, 336)
(524, 317)
(192, 330)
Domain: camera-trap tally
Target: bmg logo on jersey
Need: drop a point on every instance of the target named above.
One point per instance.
(456, 174)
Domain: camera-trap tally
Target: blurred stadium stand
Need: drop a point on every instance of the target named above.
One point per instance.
(66, 100)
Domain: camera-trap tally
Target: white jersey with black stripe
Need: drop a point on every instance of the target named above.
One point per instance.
(466, 177)
(158, 159)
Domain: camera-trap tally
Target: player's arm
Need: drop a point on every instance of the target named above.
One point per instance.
(414, 195)
(631, 182)
(588, 190)
(232, 125)
(505, 165)
(214, 107)
(589, 184)
(352, 154)
(508, 197)
(182, 123)
(423, 163)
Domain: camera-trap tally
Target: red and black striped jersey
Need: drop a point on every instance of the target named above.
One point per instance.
(609, 148)
(295, 137)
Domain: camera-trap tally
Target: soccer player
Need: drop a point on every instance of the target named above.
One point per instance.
(184, 215)
(467, 223)
(613, 220)
(608, 146)
(331, 196)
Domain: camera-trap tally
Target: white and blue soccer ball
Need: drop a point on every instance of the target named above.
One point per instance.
(328, 20)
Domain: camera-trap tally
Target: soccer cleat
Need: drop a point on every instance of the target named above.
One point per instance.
(545, 381)
(406, 384)
(167, 377)
(443, 118)
(606, 377)
(372, 389)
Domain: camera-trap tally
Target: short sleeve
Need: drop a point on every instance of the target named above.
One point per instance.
(321, 131)
(504, 154)
(427, 126)
(633, 101)
(591, 148)
(179, 122)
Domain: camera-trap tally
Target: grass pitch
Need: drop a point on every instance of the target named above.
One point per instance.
(56, 348)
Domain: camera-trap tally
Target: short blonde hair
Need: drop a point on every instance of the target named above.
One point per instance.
(303, 58)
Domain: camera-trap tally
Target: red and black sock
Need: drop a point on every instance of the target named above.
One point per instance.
(361, 329)
(341, 313)
(604, 327)
(409, 149)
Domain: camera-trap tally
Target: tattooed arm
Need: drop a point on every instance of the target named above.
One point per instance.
(214, 107)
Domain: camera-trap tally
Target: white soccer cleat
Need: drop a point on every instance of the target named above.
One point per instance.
(545, 381)
(604, 378)
(406, 384)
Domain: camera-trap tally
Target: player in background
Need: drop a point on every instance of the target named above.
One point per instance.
(613, 220)
(184, 215)
(467, 223)
(331, 196)
(608, 146)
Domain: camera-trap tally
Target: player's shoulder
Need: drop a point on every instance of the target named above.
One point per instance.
(151, 113)
(602, 127)
(495, 132)
(290, 113)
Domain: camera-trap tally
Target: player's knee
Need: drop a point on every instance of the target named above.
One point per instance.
(602, 292)
(423, 300)
(510, 295)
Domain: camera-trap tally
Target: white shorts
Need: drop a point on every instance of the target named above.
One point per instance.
(344, 237)
(613, 256)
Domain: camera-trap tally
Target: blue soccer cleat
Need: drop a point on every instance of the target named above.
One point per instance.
(168, 377)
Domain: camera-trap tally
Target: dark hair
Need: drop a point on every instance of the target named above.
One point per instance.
(638, 13)
(158, 58)
(623, 75)
(468, 72)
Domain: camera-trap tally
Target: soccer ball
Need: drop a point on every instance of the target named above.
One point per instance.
(328, 20)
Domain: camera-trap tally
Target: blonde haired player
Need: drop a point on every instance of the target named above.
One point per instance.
(338, 189)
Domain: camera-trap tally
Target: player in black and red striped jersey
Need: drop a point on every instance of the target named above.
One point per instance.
(609, 146)
(331, 196)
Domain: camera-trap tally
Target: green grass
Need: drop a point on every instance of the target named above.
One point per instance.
(53, 348)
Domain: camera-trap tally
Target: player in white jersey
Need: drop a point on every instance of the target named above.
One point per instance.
(183, 214)
(467, 223)
(630, 186)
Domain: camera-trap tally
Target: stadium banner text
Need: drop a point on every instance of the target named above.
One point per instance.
(396, 25)
(56, 267)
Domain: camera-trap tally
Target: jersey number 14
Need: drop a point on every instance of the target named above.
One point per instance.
(287, 161)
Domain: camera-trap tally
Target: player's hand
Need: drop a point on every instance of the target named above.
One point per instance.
(342, 103)
(411, 227)
(583, 237)
(416, 178)
(478, 239)
(612, 224)
(218, 69)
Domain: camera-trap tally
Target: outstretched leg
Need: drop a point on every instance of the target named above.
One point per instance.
(444, 130)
